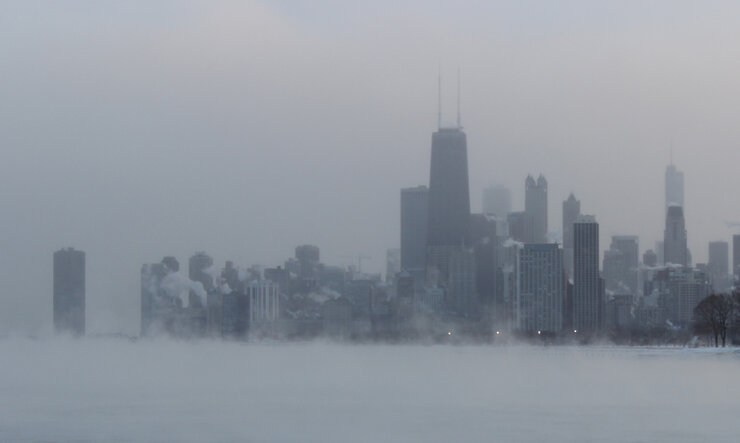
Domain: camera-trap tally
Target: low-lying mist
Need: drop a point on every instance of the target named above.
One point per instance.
(160, 390)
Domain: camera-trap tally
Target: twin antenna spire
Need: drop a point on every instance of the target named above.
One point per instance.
(439, 99)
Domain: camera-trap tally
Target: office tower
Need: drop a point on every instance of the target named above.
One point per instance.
(719, 266)
(535, 210)
(158, 308)
(673, 187)
(392, 264)
(497, 200)
(484, 236)
(516, 222)
(660, 252)
(588, 295)
(449, 198)
(69, 291)
(674, 238)
(621, 264)
(461, 282)
(736, 257)
(679, 290)
(449, 202)
(650, 258)
(308, 257)
(571, 211)
(539, 292)
(414, 219)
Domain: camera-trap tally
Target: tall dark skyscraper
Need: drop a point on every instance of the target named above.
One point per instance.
(449, 196)
(588, 288)
(719, 266)
(414, 219)
(673, 187)
(571, 211)
(69, 291)
(674, 237)
(535, 210)
(736, 256)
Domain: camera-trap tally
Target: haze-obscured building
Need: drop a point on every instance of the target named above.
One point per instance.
(539, 294)
(588, 287)
(674, 238)
(535, 210)
(571, 211)
(69, 291)
(496, 201)
(621, 265)
(414, 221)
(719, 266)
(673, 187)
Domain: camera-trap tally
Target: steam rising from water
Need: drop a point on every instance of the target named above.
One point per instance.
(110, 390)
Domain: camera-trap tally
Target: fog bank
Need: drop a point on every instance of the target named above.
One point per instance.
(110, 390)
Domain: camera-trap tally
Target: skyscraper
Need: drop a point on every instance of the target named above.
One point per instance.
(69, 291)
(308, 257)
(673, 187)
(719, 266)
(736, 256)
(414, 219)
(571, 211)
(497, 200)
(449, 202)
(535, 210)
(674, 237)
(539, 291)
(588, 288)
(449, 197)
(624, 253)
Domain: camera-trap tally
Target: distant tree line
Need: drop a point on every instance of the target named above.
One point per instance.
(717, 315)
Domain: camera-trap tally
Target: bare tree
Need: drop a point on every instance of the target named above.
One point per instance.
(715, 313)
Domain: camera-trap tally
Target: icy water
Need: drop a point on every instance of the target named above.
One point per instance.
(119, 391)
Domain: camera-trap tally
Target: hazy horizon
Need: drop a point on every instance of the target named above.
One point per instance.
(142, 129)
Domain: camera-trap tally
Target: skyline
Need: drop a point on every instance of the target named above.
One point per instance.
(131, 167)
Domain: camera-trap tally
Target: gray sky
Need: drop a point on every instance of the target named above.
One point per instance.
(133, 130)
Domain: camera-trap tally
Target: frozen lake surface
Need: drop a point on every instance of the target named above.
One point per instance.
(117, 391)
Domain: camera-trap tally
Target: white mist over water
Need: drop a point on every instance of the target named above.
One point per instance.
(115, 390)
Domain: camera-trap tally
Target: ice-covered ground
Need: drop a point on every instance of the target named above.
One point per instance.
(115, 390)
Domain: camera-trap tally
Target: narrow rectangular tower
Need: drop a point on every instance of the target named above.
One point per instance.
(588, 289)
(69, 291)
(414, 219)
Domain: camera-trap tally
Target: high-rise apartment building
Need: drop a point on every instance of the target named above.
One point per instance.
(588, 288)
(571, 211)
(540, 288)
(69, 291)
